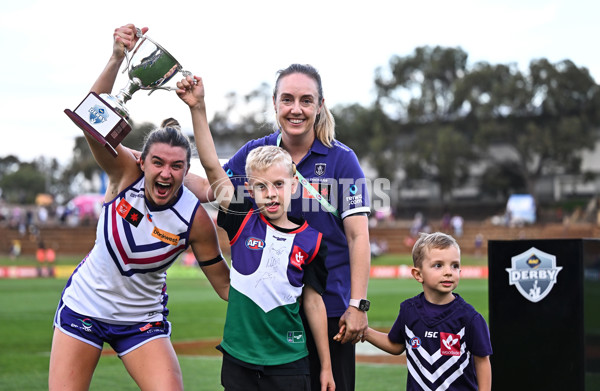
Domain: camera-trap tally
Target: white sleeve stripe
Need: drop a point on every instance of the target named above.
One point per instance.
(362, 209)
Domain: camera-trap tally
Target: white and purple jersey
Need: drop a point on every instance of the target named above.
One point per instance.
(269, 267)
(123, 278)
(336, 174)
(440, 343)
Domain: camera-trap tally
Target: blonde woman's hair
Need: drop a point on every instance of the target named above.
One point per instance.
(261, 158)
(426, 242)
(324, 123)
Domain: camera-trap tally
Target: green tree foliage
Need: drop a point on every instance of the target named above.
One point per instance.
(83, 162)
(23, 185)
(545, 118)
(245, 117)
(436, 117)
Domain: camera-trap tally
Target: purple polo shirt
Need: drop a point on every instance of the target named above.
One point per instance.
(336, 174)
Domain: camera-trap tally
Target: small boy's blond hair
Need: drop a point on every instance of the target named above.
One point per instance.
(426, 242)
(261, 158)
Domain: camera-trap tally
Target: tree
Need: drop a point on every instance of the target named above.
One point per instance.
(545, 119)
(84, 164)
(244, 118)
(23, 185)
(418, 94)
(372, 135)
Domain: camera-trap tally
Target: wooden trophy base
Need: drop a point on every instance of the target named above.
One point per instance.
(98, 119)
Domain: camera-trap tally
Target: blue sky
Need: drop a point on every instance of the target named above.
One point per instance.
(53, 51)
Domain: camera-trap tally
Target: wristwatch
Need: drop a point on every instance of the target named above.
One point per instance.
(362, 304)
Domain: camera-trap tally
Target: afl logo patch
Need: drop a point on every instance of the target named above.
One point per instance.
(415, 342)
(255, 244)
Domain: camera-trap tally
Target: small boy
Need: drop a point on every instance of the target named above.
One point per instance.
(448, 340)
(276, 261)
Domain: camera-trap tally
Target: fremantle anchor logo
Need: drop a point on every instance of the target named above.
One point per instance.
(98, 114)
(534, 273)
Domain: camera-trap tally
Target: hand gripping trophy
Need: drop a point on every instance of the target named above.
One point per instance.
(104, 116)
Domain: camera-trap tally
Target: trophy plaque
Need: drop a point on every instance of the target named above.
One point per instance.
(105, 117)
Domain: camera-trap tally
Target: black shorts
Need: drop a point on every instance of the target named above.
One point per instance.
(239, 376)
(343, 358)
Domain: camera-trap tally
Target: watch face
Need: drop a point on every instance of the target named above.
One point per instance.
(364, 305)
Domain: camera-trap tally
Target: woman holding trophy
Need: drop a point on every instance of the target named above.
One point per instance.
(117, 294)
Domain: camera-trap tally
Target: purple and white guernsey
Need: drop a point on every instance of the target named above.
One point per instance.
(336, 175)
(123, 278)
(440, 343)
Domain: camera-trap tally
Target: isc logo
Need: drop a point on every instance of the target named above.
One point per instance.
(255, 244)
(431, 334)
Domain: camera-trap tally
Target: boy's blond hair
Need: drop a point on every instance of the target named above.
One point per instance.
(426, 242)
(261, 158)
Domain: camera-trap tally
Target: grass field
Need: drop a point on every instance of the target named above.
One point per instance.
(196, 313)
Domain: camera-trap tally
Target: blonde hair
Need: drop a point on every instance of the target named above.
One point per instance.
(324, 123)
(426, 242)
(261, 158)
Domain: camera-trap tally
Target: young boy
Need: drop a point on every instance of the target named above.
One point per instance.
(448, 341)
(276, 262)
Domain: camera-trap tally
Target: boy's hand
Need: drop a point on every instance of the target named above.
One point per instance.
(340, 335)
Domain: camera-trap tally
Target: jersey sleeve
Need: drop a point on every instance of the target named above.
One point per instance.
(232, 220)
(353, 193)
(315, 273)
(480, 337)
(396, 333)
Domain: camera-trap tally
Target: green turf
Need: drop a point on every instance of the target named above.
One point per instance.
(196, 313)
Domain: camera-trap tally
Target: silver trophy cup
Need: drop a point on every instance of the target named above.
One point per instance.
(105, 117)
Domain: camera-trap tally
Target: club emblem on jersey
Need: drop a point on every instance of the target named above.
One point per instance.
(320, 169)
(255, 244)
(534, 273)
(449, 344)
(129, 213)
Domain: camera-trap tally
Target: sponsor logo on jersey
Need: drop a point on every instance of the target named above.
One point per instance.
(534, 273)
(255, 244)
(320, 169)
(415, 342)
(298, 257)
(323, 191)
(295, 336)
(129, 213)
(449, 344)
(353, 198)
(165, 236)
